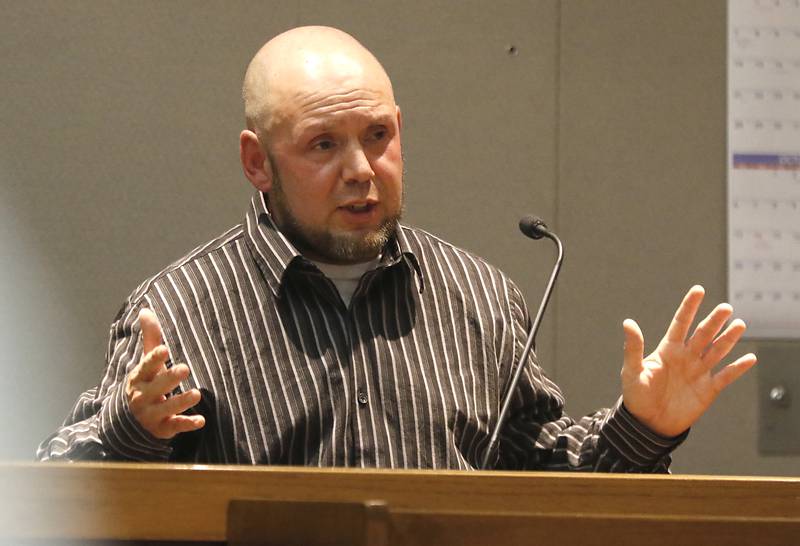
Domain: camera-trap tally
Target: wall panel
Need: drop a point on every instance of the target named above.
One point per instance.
(641, 202)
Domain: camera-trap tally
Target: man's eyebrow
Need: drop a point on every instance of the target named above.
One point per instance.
(315, 127)
(384, 117)
(324, 126)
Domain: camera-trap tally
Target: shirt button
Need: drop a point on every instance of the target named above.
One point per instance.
(362, 398)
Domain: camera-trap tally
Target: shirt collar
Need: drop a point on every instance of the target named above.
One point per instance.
(274, 254)
(398, 248)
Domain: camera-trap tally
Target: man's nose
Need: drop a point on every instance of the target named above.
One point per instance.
(356, 166)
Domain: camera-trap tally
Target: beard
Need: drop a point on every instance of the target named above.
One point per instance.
(328, 246)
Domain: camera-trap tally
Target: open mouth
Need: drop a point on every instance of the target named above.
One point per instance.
(360, 207)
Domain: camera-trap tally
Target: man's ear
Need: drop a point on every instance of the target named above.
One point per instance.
(255, 162)
(399, 118)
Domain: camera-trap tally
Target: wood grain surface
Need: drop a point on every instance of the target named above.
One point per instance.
(184, 502)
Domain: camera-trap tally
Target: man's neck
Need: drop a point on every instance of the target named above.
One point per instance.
(346, 276)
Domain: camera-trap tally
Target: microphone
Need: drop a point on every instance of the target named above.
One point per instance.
(535, 228)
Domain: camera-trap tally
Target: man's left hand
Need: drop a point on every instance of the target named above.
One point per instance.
(673, 386)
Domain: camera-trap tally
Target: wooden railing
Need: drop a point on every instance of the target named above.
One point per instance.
(82, 502)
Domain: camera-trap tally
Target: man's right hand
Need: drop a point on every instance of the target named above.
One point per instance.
(150, 383)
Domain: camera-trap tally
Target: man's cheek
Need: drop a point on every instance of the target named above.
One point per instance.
(389, 170)
(395, 150)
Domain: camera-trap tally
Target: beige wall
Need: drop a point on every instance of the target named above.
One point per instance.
(641, 200)
(118, 154)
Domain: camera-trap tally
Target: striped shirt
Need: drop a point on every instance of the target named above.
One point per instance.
(410, 374)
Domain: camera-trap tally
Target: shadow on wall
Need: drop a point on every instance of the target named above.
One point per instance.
(118, 153)
(39, 333)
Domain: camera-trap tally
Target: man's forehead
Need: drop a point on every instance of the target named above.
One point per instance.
(318, 66)
(310, 74)
(325, 97)
(333, 112)
(346, 93)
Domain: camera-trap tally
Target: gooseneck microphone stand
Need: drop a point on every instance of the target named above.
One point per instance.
(534, 228)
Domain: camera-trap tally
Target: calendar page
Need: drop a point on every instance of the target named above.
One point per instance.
(764, 165)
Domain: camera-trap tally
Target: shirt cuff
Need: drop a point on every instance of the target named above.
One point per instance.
(122, 433)
(635, 441)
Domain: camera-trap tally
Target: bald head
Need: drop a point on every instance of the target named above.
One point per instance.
(299, 63)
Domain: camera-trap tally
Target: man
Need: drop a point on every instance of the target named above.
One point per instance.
(322, 332)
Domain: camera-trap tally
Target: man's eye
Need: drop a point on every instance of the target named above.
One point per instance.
(378, 134)
(324, 144)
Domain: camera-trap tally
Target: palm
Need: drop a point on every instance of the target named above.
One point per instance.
(674, 385)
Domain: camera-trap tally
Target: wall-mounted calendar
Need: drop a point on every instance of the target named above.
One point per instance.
(764, 165)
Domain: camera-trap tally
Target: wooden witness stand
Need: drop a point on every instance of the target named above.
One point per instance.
(81, 503)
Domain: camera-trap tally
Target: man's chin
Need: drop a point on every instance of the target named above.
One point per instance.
(340, 245)
(355, 247)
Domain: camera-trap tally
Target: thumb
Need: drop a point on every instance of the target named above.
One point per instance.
(151, 330)
(634, 346)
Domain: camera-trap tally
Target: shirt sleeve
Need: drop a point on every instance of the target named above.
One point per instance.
(540, 436)
(101, 425)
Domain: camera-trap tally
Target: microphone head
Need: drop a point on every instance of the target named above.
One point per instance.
(533, 226)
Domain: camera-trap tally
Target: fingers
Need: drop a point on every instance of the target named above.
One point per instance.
(166, 381)
(723, 344)
(163, 418)
(710, 326)
(144, 394)
(179, 403)
(634, 346)
(151, 330)
(733, 371)
(184, 423)
(168, 418)
(175, 424)
(682, 321)
(152, 363)
(147, 390)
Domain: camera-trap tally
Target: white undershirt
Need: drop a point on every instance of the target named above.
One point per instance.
(345, 277)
